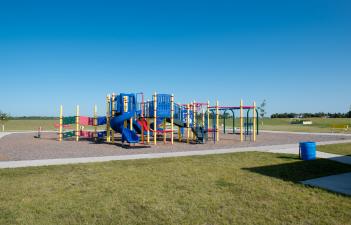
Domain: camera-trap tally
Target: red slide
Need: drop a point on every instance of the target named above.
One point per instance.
(143, 124)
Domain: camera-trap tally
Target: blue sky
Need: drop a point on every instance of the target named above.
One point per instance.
(294, 54)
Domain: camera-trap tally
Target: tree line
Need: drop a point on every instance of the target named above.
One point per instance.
(311, 115)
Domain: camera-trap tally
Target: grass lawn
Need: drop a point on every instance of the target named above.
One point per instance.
(19, 125)
(240, 188)
(319, 124)
(33, 125)
(340, 149)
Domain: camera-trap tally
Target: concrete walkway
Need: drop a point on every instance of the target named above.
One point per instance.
(340, 183)
(299, 132)
(3, 134)
(294, 149)
(288, 149)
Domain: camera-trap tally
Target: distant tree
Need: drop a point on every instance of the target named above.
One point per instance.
(284, 115)
(3, 118)
(311, 115)
(262, 109)
(226, 115)
(348, 115)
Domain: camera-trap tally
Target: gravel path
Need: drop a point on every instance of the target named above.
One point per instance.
(287, 148)
(23, 146)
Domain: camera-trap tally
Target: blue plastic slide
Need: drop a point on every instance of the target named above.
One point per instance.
(117, 124)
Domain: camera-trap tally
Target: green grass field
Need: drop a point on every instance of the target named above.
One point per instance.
(33, 125)
(319, 125)
(19, 125)
(240, 188)
(340, 149)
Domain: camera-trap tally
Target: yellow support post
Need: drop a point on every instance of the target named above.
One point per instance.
(155, 118)
(194, 119)
(142, 133)
(148, 123)
(61, 125)
(180, 138)
(131, 119)
(241, 122)
(95, 123)
(148, 131)
(108, 119)
(172, 117)
(142, 119)
(77, 123)
(164, 133)
(217, 121)
(112, 115)
(208, 115)
(254, 121)
(179, 135)
(188, 123)
(203, 117)
(125, 109)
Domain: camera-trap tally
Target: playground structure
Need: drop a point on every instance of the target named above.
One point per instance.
(248, 125)
(147, 122)
(79, 121)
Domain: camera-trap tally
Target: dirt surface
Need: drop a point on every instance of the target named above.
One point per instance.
(26, 147)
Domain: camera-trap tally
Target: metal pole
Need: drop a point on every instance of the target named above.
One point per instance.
(241, 122)
(77, 123)
(148, 124)
(95, 123)
(208, 115)
(108, 119)
(188, 123)
(254, 121)
(61, 125)
(172, 117)
(194, 119)
(112, 115)
(155, 118)
(217, 121)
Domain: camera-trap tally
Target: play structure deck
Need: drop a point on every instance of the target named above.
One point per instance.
(146, 122)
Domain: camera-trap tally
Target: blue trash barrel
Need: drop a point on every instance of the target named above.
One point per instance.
(308, 150)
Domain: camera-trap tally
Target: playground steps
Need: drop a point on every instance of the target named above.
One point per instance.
(201, 134)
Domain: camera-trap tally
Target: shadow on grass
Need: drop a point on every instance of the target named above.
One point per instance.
(301, 170)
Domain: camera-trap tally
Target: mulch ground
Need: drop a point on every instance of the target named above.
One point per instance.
(26, 147)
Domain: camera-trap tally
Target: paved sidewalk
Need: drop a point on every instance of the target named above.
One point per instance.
(340, 183)
(294, 149)
(298, 132)
(288, 149)
(3, 134)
